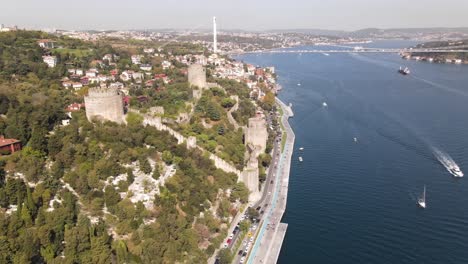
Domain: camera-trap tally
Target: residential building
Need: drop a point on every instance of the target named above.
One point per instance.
(9, 145)
(136, 59)
(146, 67)
(47, 43)
(166, 65)
(51, 61)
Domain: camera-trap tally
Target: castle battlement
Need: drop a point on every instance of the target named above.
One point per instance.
(102, 92)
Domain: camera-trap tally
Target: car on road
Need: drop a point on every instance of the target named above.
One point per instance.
(240, 252)
(251, 240)
(242, 260)
(229, 241)
(244, 254)
(231, 236)
(225, 245)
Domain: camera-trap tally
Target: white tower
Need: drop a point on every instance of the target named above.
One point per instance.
(215, 42)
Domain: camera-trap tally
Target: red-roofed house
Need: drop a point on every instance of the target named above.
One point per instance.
(9, 145)
(74, 107)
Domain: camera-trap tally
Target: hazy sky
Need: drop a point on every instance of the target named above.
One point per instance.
(233, 14)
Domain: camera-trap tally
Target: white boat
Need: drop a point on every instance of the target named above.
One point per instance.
(324, 104)
(422, 200)
(455, 171)
(355, 139)
(298, 84)
(448, 163)
(300, 159)
(301, 148)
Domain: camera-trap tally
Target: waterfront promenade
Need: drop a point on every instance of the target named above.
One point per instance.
(271, 232)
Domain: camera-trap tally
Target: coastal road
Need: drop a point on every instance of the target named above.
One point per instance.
(267, 243)
(264, 200)
(267, 190)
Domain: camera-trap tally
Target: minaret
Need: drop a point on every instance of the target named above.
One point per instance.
(215, 42)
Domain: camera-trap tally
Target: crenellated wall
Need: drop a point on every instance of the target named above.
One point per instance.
(249, 175)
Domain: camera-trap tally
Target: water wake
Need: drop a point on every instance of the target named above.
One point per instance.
(447, 162)
(442, 87)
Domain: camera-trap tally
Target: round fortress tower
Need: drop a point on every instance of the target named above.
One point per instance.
(104, 104)
(197, 76)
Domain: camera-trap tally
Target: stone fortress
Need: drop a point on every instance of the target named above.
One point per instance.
(104, 104)
(197, 78)
(257, 134)
(197, 75)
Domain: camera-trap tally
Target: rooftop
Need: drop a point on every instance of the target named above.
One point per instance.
(7, 141)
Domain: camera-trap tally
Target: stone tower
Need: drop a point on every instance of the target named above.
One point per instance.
(197, 76)
(257, 134)
(104, 104)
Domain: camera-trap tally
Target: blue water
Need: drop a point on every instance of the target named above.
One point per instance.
(356, 202)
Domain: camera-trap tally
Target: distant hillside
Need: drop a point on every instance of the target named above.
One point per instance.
(378, 32)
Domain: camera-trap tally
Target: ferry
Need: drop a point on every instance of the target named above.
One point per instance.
(404, 71)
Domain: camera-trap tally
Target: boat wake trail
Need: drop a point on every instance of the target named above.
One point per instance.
(382, 63)
(447, 162)
(442, 87)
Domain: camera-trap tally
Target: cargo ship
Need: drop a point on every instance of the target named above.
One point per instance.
(404, 71)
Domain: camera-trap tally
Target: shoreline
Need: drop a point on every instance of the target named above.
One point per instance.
(272, 232)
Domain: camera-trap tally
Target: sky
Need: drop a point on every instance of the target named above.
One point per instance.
(233, 14)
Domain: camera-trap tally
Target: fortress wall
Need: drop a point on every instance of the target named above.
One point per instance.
(249, 175)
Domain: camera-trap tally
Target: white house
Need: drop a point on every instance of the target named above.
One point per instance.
(117, 85)
(138, 76)
(108, 57)
(148, 50)
(46, 43)
(51, 61)
(91, 73)
(165, 65)
(136, 59)
(77, 85)
(146, 67)
(126, 75)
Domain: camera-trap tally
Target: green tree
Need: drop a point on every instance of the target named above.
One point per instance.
(225, 256)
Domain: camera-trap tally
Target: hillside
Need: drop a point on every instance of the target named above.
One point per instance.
(102, 192)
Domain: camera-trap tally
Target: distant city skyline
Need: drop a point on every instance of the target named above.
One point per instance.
(240, 14)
